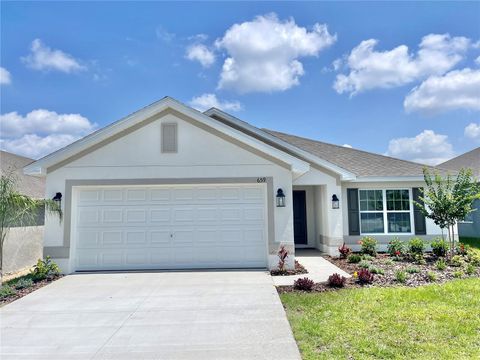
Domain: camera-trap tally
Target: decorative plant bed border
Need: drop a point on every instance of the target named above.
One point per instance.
(19, 293)
(299, 269)
(396, 272)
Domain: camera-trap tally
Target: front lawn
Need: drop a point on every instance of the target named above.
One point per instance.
(427, 322)
(473, 242)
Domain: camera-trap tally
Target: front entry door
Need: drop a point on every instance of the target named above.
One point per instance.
(299, 217)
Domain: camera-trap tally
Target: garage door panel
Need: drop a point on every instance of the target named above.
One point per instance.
(170, 227)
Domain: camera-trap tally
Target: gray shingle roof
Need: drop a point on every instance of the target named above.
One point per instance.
(469, 160)
(27, 185)
(359, 162)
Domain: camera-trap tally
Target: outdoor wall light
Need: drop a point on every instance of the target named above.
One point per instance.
(58, 199)
(335, 202)
(280, 198)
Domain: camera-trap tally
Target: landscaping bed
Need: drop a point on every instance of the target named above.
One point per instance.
(299, 269)
(19, 293)
(405, 264)
(44, 272)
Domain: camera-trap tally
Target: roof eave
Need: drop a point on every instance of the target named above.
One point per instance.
(344, 174)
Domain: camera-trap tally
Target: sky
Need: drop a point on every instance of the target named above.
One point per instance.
(400, 79)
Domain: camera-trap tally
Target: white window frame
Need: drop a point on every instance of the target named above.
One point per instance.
(385, 212)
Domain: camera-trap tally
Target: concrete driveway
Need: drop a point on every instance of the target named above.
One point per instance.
(156, 315)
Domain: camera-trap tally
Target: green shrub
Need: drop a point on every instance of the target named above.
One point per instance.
(354, 259)
(456, 261)
(376, 270)
(45, 269)
(6, 291)
(416, 246)
(441, 264)
(367, 257)
(389, 262)
(23, 283)
(396, 247)
(369, 245)
(412, 270)
(419, 259)
(462, 249)
(401, 276)
(439, 247)
(458, 274)
(364, 264)
(473, 256)
(470, 270)
(431, 276)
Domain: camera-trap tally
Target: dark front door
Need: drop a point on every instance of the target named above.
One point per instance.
(299, 217)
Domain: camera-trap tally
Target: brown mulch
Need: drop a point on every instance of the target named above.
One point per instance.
(388, 279)
(22, 292)
(299, 269)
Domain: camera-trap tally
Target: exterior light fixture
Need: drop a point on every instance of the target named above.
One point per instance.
(58, 199)
(335, 202)
(280, 198)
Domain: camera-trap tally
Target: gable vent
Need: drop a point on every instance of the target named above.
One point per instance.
(169, 138)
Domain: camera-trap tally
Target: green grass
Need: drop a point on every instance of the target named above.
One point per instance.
(473, 242)
(428, 322)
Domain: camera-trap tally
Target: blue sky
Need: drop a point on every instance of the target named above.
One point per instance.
(396, 78)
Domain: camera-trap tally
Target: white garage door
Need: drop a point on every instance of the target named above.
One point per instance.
(170, 227)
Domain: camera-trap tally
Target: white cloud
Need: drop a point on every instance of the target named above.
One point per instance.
(5, 77)
(207, 101)
(263, 54)
(44, 58)
(371, 69)
(425, 148)
(200, 53)
(41, 131)
(34, 146)
(458, 89)
(163, 34)
(472, 131)
(347, 146)
(477, 60)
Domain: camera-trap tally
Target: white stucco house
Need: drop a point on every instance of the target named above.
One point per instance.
(169, 187)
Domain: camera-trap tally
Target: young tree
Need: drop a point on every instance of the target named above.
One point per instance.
(448, 200)
(18, 210)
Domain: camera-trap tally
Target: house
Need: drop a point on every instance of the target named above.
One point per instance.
(23, 245)
(470, 226)
(169, 187)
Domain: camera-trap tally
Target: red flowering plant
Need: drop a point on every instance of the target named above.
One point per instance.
(364, 276)
(396, 247)
(282, 258)
(344, 251)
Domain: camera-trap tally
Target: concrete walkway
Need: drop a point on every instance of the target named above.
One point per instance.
(319, 269)
(169, 315)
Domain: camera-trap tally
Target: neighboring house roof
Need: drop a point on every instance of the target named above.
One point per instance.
(26, 185)
(469, 160)
(357, 163)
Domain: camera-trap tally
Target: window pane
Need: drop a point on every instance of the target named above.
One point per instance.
(398, 200)
(399, 222)
(371, 222)
(371, 200)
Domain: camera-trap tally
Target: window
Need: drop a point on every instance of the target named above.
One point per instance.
(169, 138)
(385, 211)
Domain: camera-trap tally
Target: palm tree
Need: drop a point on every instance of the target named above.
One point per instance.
(18, 210)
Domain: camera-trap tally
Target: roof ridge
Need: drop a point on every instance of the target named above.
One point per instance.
(354, 149)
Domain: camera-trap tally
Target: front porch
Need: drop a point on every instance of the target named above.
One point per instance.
(316, 224)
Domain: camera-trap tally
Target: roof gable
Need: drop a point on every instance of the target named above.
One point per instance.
(137, 119)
